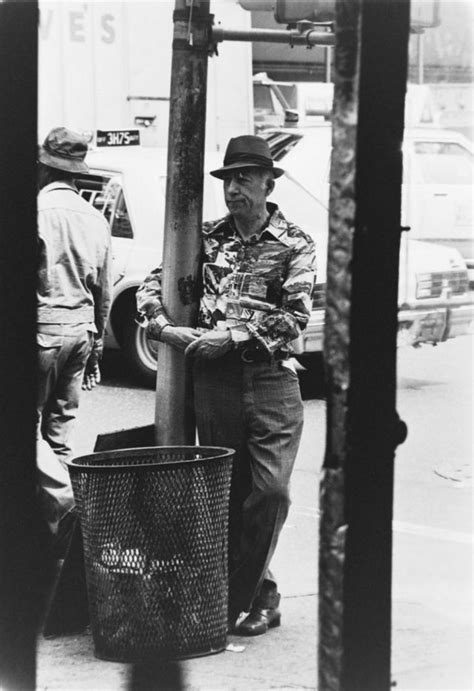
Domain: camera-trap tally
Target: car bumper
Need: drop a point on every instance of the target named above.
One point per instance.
(427, 323)
(461, 318)
(417, 326)
(432, 322)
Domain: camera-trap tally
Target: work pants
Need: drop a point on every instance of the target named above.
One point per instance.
(63, 350)
(256, 409)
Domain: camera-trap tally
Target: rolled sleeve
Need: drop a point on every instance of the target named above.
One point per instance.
(150, 311)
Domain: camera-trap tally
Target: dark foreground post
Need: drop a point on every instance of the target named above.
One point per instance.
(174, 418)
(360, 346)
(22, 548)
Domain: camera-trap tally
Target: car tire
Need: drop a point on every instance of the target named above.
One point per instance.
(139, 351)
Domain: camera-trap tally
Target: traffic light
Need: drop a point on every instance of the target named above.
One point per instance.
(292, 11)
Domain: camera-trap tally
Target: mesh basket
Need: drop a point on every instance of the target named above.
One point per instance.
(154, 524)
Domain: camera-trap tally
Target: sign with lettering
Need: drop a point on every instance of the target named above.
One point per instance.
(118, 138)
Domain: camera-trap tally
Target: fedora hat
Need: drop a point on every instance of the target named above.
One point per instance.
(65, 150)
(247, 151)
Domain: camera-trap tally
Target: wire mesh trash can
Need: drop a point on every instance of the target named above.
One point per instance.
(154, 525)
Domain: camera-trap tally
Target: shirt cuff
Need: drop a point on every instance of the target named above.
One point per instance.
(156, 325)
(239, 336)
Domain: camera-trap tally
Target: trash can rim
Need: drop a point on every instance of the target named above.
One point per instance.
(103, 460)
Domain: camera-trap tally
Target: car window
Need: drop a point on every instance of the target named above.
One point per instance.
(310, 160)
(444, 163)
(92, 187)
(301, 207)
(105, 193)
(120, 225)
(264, 99)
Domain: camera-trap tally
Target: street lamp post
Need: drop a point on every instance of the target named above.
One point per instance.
(174, 415)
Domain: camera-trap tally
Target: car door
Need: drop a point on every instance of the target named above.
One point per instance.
(115, 210)
(104, 190)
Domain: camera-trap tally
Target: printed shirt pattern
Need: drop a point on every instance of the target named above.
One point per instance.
(260, 288)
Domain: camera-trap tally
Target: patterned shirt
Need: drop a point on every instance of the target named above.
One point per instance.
(259, 288)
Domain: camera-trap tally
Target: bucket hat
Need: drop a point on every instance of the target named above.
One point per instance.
(247, 151)
(65, 150)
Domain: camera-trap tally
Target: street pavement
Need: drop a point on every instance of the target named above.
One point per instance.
(432, 574)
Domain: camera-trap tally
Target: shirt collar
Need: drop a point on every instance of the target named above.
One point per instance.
(60, 185)
(275, 226)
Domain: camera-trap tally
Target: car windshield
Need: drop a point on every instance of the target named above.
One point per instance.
(444, 163)
(302, 208)
(306, 157)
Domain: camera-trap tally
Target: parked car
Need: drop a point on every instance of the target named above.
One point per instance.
(438, 174)
(128, 184)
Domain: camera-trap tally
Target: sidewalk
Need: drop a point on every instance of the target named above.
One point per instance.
(431, 622)
(284, 658)
(431, 633)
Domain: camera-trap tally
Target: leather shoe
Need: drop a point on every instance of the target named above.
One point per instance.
(258, 621)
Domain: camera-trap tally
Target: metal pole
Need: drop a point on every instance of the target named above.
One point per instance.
(22, 544)
(308, 38)
(328, 60)
(174, 416)
(363, 429)
(421, 58)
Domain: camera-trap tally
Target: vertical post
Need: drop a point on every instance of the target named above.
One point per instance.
(174, 417)
(327, 62)
(371, 56)
(22, 547)
(421, 57)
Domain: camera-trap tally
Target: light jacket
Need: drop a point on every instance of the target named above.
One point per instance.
(75, 272)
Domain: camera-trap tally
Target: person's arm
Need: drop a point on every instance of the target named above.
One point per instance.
(280, 325)
(102, 294)
(152, 315)
(102, 291)
(283, 324)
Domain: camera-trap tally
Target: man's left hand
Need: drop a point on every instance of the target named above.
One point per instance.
(210, 345)
(91, 377)
(92, 372)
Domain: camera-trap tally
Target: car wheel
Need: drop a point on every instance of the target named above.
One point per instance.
(139, 350)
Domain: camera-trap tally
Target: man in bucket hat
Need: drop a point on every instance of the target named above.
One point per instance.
(257, 278)
(74, 293)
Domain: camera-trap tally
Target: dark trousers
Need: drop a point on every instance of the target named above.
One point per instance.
(256, 409)
(63, 350)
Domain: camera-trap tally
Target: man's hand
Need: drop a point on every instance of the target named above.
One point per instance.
(211, 345)
(179, 336)
(91, 376)
(92, 372)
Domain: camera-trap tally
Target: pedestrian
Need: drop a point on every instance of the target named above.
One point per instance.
(74, 293)
(257, 275)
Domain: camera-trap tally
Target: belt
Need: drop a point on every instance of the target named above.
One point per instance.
(250, 355)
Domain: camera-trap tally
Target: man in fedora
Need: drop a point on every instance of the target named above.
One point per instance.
(257, 277)
(74, 294)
